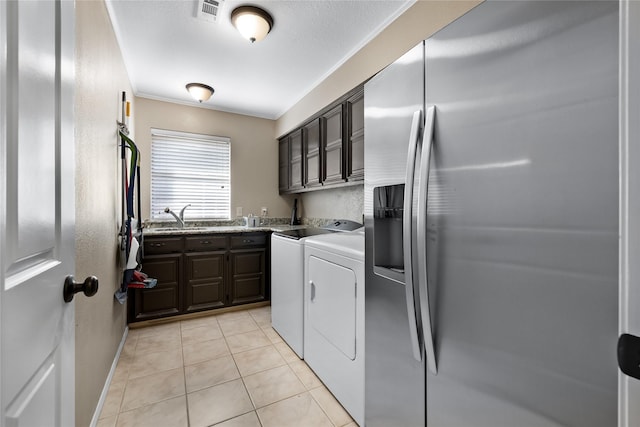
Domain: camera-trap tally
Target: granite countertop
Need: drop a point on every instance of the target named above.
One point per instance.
(214, 229)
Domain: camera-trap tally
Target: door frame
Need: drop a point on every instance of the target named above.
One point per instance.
(629, 227)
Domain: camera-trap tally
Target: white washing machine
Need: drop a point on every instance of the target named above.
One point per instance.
(334, 316)
(287, 280)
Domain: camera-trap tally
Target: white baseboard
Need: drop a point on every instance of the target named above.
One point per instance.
(105, 389)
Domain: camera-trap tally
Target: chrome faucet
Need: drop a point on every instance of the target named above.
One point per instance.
(179, 219)
(182, 211)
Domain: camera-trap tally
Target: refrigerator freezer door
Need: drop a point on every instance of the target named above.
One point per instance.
(394, 379)
(523, 215)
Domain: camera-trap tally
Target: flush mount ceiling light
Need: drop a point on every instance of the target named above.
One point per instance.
(199, 91)
(252, 22)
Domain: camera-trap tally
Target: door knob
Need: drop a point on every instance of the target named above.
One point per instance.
(89, 287)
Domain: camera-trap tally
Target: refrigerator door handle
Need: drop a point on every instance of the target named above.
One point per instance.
(423, 280)
(407, 235)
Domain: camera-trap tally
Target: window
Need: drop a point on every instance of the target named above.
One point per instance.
(189, 168)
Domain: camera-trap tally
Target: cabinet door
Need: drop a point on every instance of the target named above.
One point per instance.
(283, 164)
(355, 140)
(164, 299)
(248, 276)
(333, 146)
(311, 137)
(205, 281)
(295, 160)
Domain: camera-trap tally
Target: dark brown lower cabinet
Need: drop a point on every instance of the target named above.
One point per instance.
(205, 281)
(164, 299)
(201, 273)
(247, 276)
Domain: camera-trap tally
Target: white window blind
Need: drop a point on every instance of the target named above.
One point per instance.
(189, 168)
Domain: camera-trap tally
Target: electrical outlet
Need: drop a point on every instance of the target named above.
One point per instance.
(239, 211)
(263, 211)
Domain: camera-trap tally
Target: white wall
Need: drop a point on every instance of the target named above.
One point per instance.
(100, 320)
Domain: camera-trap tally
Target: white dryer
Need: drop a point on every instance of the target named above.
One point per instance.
(334, 316)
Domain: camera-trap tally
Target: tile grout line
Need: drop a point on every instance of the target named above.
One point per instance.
(184, 373)
(242, 379)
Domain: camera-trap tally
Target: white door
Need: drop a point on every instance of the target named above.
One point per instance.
(629, 388)
(36, 212)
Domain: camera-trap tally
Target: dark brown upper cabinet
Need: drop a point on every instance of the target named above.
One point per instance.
(283, 164)
(295, 161)
(334, 170)
(355, 137)
(328, 150)
(312, 143)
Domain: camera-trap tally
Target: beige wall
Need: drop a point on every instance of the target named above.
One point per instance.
(100, 320)
(254, 151)
(419, 22)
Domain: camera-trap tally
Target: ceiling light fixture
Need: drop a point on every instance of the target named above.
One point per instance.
(199, 91)
(252, 22)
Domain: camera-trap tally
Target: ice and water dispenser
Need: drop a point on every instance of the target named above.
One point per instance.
(388, 211)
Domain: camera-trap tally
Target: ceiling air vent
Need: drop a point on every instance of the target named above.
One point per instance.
(208, 10)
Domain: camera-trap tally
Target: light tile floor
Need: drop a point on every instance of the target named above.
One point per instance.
(226, 370)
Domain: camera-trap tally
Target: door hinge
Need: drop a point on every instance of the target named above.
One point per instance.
(629, 355)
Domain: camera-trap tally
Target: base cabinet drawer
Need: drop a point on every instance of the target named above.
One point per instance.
(249, 240)
(206, 243)
(162, 246)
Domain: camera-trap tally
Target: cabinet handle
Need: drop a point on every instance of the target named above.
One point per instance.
(157, 245)
(204, 242)
(247, 241)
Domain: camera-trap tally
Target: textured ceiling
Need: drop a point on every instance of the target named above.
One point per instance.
(165, 47)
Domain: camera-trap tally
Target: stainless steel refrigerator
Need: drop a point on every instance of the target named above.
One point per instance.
(491, 214)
